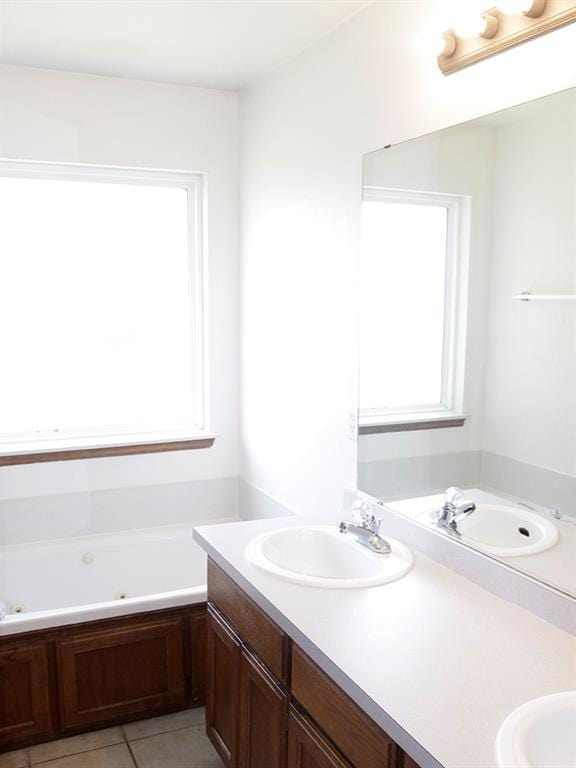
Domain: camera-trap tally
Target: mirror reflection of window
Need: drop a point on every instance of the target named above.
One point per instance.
(413, 251)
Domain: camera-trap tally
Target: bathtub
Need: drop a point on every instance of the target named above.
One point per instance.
(68, 581)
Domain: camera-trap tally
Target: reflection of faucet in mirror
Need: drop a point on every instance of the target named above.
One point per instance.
(455, 508)
(366, 531)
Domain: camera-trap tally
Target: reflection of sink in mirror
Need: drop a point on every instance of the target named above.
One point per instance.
(540, 734)
(551, 560)
(321, 556)
(503, 531)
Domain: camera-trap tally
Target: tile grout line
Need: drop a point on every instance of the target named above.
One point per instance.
(161, 733)
(132, 755)
(73, 754)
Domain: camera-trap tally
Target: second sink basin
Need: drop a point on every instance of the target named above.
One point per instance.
(321, 556)
(540, 734)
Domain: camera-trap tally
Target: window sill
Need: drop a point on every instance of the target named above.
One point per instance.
(371, 425)
(98, 447)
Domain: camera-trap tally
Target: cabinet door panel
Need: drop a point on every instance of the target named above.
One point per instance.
(223, 688)
(263, 712)
(24, 693)
(307, 747)
(116, 673)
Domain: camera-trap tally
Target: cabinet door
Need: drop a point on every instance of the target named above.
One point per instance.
(24, 694)
(263, 713)
(409, 763)
(112, 674)
(307, 747)
(223, 688)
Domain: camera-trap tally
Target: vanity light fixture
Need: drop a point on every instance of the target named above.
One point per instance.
(508, 24)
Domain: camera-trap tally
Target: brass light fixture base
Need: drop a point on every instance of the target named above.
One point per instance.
(512, 29)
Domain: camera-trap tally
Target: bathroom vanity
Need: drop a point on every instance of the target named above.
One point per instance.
(270, 705)
(376, 677)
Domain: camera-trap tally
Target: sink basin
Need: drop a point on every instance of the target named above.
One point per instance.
(503, 531)
(321, 556)
(540, 734)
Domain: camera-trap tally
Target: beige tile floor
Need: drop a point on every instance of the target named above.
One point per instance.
(171, 741)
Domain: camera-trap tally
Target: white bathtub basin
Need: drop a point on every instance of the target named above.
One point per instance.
(504, 531)
(65, 581)
(321, 556)
(540, 734)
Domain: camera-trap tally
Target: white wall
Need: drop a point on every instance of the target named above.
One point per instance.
(48, 115)
(304, 131)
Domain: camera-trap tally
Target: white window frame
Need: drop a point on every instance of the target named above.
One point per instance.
(450, 410)
(162, 436)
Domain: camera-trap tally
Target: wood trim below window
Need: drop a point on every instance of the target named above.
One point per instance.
(409, 426)
(111, 450)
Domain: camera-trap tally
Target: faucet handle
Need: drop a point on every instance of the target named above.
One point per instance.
(453, 496)
(363, 512)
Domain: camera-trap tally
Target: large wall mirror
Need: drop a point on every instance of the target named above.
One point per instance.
(467, 412)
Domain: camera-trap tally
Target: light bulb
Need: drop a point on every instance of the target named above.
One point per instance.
(532, 8)
(477, 26)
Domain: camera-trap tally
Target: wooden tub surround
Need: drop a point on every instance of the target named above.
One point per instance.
(67, 680)
(270, 706)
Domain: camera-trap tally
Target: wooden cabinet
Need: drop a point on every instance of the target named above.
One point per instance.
(355, 734)
(307, 746)
(270, 706)
(255, 628)
(24, 693)
(110, 674)
(70, 679)
(263, 713)
(223, 688)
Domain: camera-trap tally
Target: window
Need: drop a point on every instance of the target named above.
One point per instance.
(412, 309)
(101, 307)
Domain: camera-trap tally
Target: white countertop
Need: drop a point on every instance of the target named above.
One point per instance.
(433, 658)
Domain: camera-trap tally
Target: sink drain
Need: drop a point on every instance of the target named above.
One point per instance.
(524, 531)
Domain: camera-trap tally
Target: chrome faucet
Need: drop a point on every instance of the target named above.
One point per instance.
(366, 528)
(455, 509)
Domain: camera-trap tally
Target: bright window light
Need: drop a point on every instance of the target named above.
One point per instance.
(98, 304)
(408, 357)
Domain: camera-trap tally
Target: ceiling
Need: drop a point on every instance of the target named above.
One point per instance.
(210, 43)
